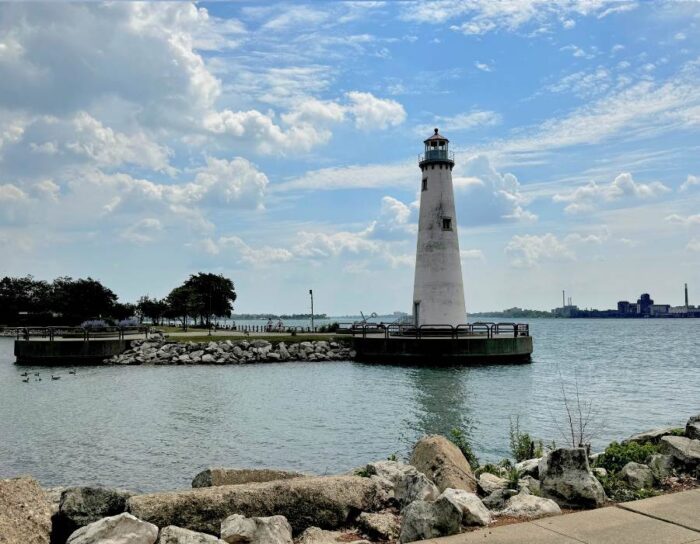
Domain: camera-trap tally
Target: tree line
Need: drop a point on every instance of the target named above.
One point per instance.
(70, 302)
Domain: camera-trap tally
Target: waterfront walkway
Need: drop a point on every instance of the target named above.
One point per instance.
(666, 519)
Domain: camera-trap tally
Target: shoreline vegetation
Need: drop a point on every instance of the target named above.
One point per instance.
(439, 490)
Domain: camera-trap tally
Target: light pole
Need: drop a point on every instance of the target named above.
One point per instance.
(311, 294)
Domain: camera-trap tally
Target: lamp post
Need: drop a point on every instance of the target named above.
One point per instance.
(311, 294)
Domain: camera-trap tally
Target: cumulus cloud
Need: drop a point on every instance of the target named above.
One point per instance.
(593, 195)
(143, 231)
(462, 121)
(529, 250)
(686, 221)
(372, 113)
(689, 183)
(261, 256)
(693, 245)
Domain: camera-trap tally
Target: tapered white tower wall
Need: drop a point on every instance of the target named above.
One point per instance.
(438, 291)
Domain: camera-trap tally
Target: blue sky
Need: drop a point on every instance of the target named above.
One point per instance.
(276, 143)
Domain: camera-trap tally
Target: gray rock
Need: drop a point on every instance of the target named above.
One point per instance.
(473, 510)
(423, 520)
(235, 476)
(637, 476)
(328, 502)
(530, 507)
(121, 529)
(692, 428)
(529, 467)
(443, 463)
(25, 512)
(685, 450)
(81, 506)
(178, 535)
(488, 483)
(497, 500)
(662, 465)
(649, 437)
(599, 472)
(315, 535)
(237, 529)
(532, 484)
(208, 358)
(566, 477)
(405, 482)
(381, 525)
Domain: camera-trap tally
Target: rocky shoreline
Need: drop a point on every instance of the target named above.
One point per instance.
(434, 493)
(161, 352)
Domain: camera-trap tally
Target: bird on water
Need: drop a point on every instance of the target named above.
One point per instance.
(55, 377)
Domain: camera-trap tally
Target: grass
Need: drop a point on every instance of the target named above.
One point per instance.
(288, 339)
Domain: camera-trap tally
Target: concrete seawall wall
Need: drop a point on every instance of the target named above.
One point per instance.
(74, 352)
(445, 350)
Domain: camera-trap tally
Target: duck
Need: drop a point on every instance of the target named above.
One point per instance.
(26, 380)
(36, 373)
(71, 372)
(24, 374)
(55, 377)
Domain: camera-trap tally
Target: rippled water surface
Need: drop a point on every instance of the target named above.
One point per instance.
(150, 428)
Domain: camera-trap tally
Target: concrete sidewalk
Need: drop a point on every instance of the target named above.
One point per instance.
(667, 519)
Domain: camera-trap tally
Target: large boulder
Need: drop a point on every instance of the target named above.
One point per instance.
(526, 506)
(235, 476)
(473, 510)
(662, 465)
(381, 525)
(497, 500)
(529, 467)
(686, 451)
(423, 520)
(444, 463)
(314, 535)
(566, 477)
(327, 502)
(237, 529)
(81, 506)
(178, 535)
(649, 437)
(121, 529)
(637, 476)
(404, 482)
(488, 483)
(25, 512)
(692, 428)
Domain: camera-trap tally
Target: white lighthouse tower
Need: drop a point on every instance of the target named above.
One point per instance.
(438, 292)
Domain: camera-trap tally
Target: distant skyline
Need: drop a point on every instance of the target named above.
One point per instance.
(277, 144)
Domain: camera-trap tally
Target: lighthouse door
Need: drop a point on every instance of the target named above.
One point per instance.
(416, 310)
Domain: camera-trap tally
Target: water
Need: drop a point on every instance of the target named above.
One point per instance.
(150, 428)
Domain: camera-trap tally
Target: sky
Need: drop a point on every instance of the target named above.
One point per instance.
(277, 144)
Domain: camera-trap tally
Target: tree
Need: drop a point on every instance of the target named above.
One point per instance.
(20, 296)
(81, 299)
(123, 310)
(152, 309)
(182, 303)
(214, 295)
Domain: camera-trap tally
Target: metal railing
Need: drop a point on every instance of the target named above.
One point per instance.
(436, 155)
(86, 334)
(478, 329)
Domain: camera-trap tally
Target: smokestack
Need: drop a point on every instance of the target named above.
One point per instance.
(686, 295)
(563, 299)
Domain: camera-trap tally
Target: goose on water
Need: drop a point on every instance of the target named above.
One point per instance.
(55, 377)
(25, 380)
(71, 372)
(24, 374)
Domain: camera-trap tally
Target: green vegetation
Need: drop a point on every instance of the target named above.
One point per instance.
(618, 455)
(288, 339)
(680, 431)
(522, 446)
(459, 439)
(617, 490)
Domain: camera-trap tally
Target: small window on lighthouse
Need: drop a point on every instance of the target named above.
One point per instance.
(425, 184)
(446, 223)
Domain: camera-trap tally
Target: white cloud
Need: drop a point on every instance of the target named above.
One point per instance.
(530, 250)
(482, 66)
(11, 193)
(321, 244)
(355, 177)
(689, 183)
(694, 245)
(262, 256)
(621, 7)
(463, 121)
(471, 254)
(235, 183)
(592, 195)
(373, 113)
(686, 221)
(143, 231)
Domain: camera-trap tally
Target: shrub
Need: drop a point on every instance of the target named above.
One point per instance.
(680, 431)
(617, 455)
(459, 439)
(617, 490)
(522, 446)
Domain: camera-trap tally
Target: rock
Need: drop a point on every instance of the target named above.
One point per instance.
(649, 437)
(327, 502)
(178, 535)
(404, 481)
(685, 450)
(314, 535)
(692, 428)
(81, 506)
(662, 465)
(235, 476)
(423, 520)
(121, 529)
(599, 472)
(443, 463)
(566, 477)
(530, 483)
(208, 358)
(488, 483)
(637, 476)
(381, 525)
(473, 510)
(25, 511)
(529, 467)
(529, 507)
(237, 529)
(497, 500)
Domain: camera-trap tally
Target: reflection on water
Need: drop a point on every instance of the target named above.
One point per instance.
(155, 427)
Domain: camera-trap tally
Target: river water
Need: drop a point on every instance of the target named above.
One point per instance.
(151, 428)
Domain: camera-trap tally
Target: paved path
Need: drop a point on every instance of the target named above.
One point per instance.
(667, 519)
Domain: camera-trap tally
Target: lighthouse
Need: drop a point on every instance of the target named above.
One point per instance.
(438, 291)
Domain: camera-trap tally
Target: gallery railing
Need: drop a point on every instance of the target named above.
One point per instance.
(478, 329)
(78, 333)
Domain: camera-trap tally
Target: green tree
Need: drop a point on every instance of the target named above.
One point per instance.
(182, 303)
(214, 295)
(24, 299)
(81, 299)
(152, 309)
